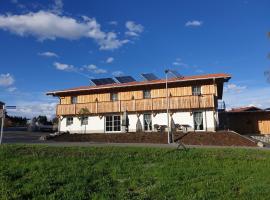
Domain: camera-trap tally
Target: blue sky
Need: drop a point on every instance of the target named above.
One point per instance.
(48, 45)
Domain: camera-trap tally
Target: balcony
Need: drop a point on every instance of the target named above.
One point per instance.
(140, 105)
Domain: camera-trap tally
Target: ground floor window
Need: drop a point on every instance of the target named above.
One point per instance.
(198, 120)
(112, 123)
(69, 121)
(147, 122)
(84, 120)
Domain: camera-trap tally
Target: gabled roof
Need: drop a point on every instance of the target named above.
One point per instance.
(224, 77)
(245, 109)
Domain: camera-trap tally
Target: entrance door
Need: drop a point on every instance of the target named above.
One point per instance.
(113, 123)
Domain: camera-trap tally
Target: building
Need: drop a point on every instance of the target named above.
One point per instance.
(1, 108)
(100, 108)
(246, 120)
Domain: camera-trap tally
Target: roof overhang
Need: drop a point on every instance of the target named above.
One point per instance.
(220, 77)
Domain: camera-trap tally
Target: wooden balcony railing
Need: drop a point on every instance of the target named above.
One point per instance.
(139, 105)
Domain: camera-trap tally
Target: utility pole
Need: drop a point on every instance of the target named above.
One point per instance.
(2, 124)
(167, 98)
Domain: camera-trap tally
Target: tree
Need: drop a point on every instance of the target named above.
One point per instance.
(82, 114)
(42, 120)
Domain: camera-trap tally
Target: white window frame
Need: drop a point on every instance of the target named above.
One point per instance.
(145, 124)
(112, 122)
(68, 123)
(194, 123)
(196, 90)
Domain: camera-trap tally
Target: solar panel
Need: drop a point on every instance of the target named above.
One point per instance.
(175, 73)
(149, 76)
(125, 79)
(103, 81)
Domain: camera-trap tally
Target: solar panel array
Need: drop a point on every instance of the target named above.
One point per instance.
(149, 76)
(128, 79)
(175, 73)
(125, 79)
(103, 81)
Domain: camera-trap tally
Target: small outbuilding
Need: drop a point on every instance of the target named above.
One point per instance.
(246, 120)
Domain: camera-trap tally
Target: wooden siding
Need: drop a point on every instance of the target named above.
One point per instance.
(246, 122)
(65, 100)
(209, 89)
(141, 105)
(130, 95)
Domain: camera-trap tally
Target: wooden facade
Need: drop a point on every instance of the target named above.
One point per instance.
(140, 105)
(138, 94)
(256, 122)
(130, 96)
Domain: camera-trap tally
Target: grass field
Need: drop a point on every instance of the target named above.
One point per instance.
(42, 172)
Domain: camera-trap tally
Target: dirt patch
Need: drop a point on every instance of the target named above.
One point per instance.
(220, 138)
(156, 138)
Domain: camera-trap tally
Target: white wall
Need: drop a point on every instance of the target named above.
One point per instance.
(97, 124)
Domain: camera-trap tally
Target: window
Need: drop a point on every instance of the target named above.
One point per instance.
(112, 123)
(114, 96)
(147, 122)
(198, 120)
(69, 121)
(84, 121)
(196, 90)
(147, 94)
(73, 100)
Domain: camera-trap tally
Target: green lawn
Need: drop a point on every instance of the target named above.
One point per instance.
(42, 172)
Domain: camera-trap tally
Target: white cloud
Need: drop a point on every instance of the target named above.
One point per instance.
(11, 89)
(63, 67)
(58, 6)
(194, 23)
(14, 1)
(89, 67)
(118, 73)
(178, 62)
(46, 25)
(133, 28)
(48, 54)
(259, 97)
(110, 60)
(6, 80)
(233, 88)
(32, 109)
(80, 70)
(100, 71)
(113, 23)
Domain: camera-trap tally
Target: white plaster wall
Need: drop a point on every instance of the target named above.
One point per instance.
(97, 124)
(132, 122)
(209, 123)
(184, 118)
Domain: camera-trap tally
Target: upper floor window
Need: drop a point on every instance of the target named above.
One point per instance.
(114, 96)
(73, 99)
(147, 94)
(196, 90)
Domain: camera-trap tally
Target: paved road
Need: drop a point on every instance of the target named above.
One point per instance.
(22, 137)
